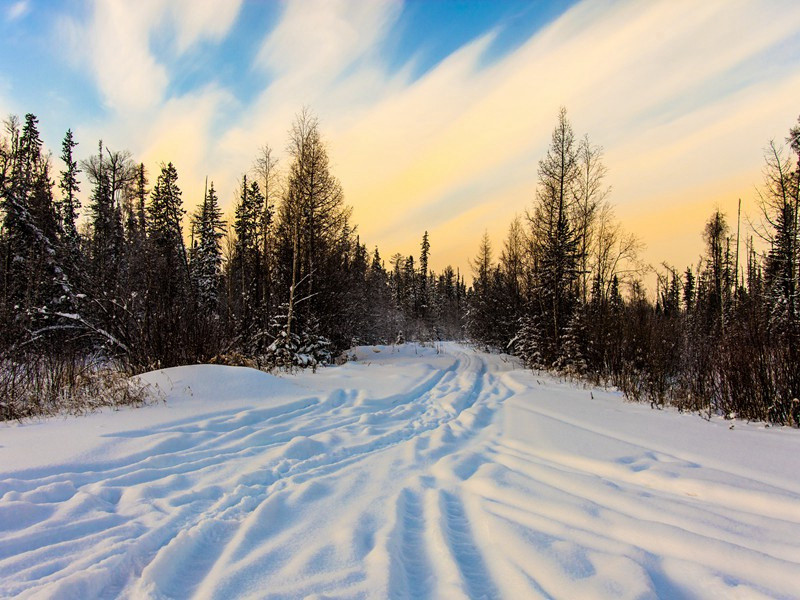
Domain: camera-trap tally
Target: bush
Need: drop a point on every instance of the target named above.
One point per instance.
(36, 385)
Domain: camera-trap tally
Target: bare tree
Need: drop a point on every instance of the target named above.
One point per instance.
(591, 198)
(615, 253)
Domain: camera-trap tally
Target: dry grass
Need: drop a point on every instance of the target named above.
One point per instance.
(40, 385)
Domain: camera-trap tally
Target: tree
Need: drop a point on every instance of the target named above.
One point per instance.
(207, 256)
(165, 216)
(513, 284)
(480, 312)
(425, 250)
(717, 278)
(312, 228)
(170, 309)
(266, 172)
(591, 194)
(245, 268)
(35, 288)
(70, 203)
(555, 237)
(30, 221)
(110, 174)
(140, 199)
(779, 203)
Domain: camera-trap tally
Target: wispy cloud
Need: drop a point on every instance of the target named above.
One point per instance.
(682, 95)
(115, 43)
(17, 10)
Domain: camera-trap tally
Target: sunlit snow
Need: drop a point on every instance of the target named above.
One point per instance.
(410, 472)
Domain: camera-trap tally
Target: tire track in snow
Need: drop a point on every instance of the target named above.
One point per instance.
(410, 570)
(439, 415)
(171, 514)
(183, 534)
(477, 580)
(428, 493)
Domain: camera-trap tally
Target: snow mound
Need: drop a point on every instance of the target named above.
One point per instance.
(217, 383)
(301, 448)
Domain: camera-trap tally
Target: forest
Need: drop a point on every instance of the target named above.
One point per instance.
(134, 281)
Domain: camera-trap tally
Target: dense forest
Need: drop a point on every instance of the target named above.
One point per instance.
(132, 281)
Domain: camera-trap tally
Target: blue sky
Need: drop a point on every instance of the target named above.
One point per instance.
(435, 112)
(39, 68)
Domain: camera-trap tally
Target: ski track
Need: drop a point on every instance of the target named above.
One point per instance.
(474, 481)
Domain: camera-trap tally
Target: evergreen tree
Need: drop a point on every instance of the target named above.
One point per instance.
(170, 309)
(479, 314)
(140, 199)
(36, 291)
(425, 250)
(70, 203)
(511, 295)
(688, 290)
(109, 176)
(207, 256)
(717, 276)
(245, 267)
(164, 220)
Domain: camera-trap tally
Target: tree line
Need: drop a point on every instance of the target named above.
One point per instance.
(138, 283)
(132, 281)
(566, 294)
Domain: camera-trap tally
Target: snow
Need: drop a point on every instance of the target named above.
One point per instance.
(409, 472)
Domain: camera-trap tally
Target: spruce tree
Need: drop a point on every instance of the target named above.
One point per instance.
(170, 307)
(244, 270)
(70, 203)
(424, 300)
(207, 259)
(36, 289)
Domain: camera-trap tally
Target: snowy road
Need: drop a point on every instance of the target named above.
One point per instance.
(409, 473)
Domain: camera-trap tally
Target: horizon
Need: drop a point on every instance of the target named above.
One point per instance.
(442, 111)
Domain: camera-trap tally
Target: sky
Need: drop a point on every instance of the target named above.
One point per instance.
(435, 113)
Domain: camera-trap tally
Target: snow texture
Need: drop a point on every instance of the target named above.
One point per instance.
(410, 473)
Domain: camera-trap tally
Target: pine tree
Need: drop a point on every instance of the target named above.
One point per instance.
(36, 290)
(424, 300)
(140, 199)
(70, 203)
(244, 270)
(207, 259)
(109, 177)
(170, 309)
(688, 290)
(479, 319)
(165, 216)
(511, 295)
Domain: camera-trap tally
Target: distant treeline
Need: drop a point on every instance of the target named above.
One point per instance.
(135, 285)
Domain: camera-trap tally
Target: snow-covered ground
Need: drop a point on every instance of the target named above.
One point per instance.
(407, 473)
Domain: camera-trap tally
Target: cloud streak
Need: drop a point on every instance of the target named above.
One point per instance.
(682, 95)
(17, 10)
